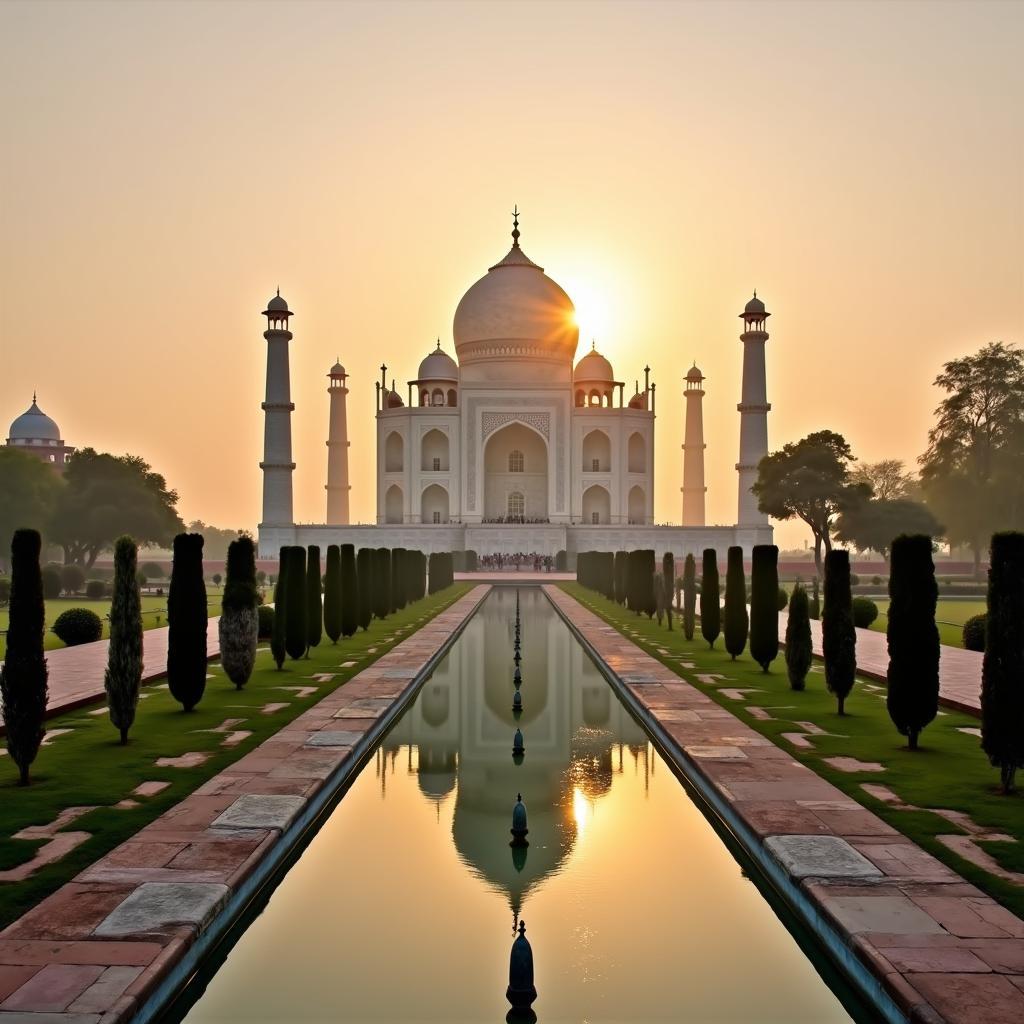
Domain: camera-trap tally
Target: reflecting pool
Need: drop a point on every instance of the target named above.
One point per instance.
(403, 907)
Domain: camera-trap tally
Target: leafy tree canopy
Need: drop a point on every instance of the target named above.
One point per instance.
(871, 525)
(888, 479)
(105, 496)
(28, 494)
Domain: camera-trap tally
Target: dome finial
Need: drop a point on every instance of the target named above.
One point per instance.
(755, 293)
(33, 396)
(515, 226)
(438, 344)
(593, 344)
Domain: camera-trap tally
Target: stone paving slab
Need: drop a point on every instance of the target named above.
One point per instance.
(99, 946)
(940, 948)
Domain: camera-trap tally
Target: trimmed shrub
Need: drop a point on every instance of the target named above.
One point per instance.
(668, 576)
(973, 633)
(23, 675)
(382, 582)
(153, 570)
(1002, 673)
(689, 596)
(186, 621)
(279, 630)
(737, 621)
(764, 604)
(814, 608)
(78, 626)
(332, 594)
(854, 580)
(296, 631)
(216, 577)
(710, 607)
(123, 677)
(839, 639)
(416, 575)
(264, 622)
(561, 561)
(314, 598)
(913, 637)
(239, 623)
(876, 581)
(348, 590)
(5, 592)
(783, 599)
(95, 590)
(52, 584)
(364, 582)
(640, 594)
(798, 639)
(865, 611)
(620, 569)
(471, 561)
(72, 579)
(398, 600)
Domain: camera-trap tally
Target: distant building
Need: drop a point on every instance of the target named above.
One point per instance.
(34, 433)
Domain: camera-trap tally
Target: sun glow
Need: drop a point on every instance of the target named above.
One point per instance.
(593, 315)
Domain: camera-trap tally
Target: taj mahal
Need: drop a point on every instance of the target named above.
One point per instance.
(509, 447)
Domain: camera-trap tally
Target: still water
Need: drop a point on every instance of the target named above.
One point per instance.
(402, 908)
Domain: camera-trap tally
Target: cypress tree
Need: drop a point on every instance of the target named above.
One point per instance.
(798, 639)
(23, 677)
(1002, 673)
(710, 603)
(668, 580)
(239, 620)
(279, 632)
(382, 583)
(348, 589)
(398, 579)
(913, 637)
(737, 621)
(764, 604)
(838, 636)
(296, 633)
(689, 596)
(621, 572)
(186, 622)
(314, 598)
(659, 597)
(332, 594)
(814, 609)
(123, 677)
(434, 573)
(646, 598)
(364, 586)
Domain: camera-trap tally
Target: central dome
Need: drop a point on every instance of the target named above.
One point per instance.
(515, 314)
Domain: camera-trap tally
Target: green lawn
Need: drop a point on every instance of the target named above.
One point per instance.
(949, 772)
(87, 766)
(154, 613)
(950, 615)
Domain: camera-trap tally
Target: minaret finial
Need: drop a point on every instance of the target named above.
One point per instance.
(593, 345)
(33, 396)
(755, 293)
(515, 226)
(279, 291)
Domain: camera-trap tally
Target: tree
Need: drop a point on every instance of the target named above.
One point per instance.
(332, 594)
(737, 621)
(621, 575)
(710, 606)
(810, 480)
(278, 643)
(689, 596)
(668, 578)
(52, 585)
(888, 480)
(799, 649)
(871, 525)
(296, 634)
(314, 599)
(642, 564)
(28, 494)
(23, 676)
(186, 622)
(814, 609)
(972, 473)
(348, 590)
(398, 577)
(72, 578)
(1002, 673)
(215, 538)
(123, 677)
(382, 583)
(105, 496)
(239, 619)
(913, 637)
(764, 604)
(364, 580)
(838, 636)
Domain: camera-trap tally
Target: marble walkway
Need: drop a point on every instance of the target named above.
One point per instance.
(941, 948)
(98, 948)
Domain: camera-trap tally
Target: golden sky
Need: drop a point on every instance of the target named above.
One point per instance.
(166, 166)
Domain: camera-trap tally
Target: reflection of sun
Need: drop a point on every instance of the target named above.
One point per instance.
(581, 810)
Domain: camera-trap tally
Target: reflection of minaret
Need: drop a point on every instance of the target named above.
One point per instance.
(693, 450)
(753, 409)
(277, 462)
(337, 450)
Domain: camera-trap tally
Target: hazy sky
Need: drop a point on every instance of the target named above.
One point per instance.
(166, 165)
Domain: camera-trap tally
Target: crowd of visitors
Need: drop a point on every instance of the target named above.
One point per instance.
(517, 562)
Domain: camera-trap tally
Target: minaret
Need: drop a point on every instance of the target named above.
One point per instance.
(277, 462)
(753, 409)
(693, 450)
(337, 449)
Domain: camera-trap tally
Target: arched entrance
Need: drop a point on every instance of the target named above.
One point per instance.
(515, 463)
(434, 505)
(393, 504)
(597, 452)
(434, 452)
(637, 506)
(597, 506)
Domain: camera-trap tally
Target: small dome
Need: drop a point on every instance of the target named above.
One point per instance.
(694, 374)
(639, 400)
(755, 305)
(438, 366)
(34, 425)
(277, 304)
(393, 400)
(593, 366)
(337, 370)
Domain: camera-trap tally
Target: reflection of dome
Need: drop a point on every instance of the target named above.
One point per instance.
(437, 771)
(434, 702)
(515, 312)
(593, 367)
(438, 366)
(34, 425)
(597, 706)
